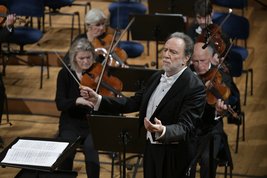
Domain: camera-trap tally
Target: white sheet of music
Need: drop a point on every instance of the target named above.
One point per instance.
(35, 152)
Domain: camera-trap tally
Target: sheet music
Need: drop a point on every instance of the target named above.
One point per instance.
(34, 152)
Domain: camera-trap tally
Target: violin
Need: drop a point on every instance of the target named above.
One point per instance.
(212, 35)
(118, 56)
(109, 85)
(214, 86)
(3, 14)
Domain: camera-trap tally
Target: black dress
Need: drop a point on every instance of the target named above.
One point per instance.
(73, 122)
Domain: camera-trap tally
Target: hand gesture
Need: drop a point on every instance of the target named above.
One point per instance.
(84, 102)
(89, 94)
(157, 127)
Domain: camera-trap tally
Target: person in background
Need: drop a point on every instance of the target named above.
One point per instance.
(170, 108)
(96, 34)
(211, 127)
(203, 11)
(74, 108)
(5, 31)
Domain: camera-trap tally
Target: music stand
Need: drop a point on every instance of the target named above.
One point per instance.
(156, 27)
(38, 171)
(133, 79)
(185, 7)
(121, 135)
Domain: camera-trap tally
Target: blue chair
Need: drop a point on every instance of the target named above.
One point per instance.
(234, 62)
(119, 19)
(27, 33)
(24, 34)
(54, 10)
(237, 28)
(234, 4)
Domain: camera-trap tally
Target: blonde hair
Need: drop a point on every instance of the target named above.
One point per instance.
(78, 45)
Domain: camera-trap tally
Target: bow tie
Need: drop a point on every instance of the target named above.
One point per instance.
(165, 79)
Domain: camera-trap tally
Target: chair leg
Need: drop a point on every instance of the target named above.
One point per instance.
(237, 138)
(225, 171)
(47, 65)
(251, 80)
(246, 87)
(243, 122)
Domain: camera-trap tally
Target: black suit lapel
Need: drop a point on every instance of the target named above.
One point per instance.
(176, 89)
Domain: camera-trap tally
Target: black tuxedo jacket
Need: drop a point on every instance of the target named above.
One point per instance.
(180, 110)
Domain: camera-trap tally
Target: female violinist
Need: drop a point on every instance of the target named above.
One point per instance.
(96, 33)
(74, 109)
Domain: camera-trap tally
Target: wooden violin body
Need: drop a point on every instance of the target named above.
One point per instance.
(118, 56)
(215, 87)
(109, 86)
(3, 14)
(213, 36)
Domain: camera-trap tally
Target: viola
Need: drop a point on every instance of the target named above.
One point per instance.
(109, 85)
(118, 56)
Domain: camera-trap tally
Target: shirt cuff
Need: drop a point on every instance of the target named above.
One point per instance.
(96, 107)
(217, 116)
(9, 28)
(158, 136)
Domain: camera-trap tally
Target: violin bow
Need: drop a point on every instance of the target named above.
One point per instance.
(111, 48)
(65, 65)
(105, 63)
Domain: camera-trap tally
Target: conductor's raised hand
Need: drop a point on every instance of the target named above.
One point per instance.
(157, 127)
(89, 94)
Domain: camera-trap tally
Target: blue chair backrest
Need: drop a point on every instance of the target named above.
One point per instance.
(120, 11)
(56, 4)
(238, 4)
(235, 62)
(32, 8)
(235, 26)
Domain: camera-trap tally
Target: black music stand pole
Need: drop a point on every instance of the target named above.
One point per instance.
(124, 136)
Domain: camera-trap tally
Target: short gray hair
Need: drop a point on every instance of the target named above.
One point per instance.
(81, 44)
(94, 16)
(189, 44)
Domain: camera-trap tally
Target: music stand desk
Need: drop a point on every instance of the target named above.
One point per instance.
(132, 78)
(117, 134)
(71, 146)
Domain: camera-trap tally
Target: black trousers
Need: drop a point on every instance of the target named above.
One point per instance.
(91, 155)
(161, 161)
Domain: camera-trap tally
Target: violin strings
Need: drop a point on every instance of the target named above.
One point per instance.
(61, 60)
(105, 63)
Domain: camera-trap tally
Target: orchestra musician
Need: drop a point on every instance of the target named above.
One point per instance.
(201, 30)
(211, 126)
(203, 17)
(96, 24)
(170, 107)
(5, 31)
(74, 108)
